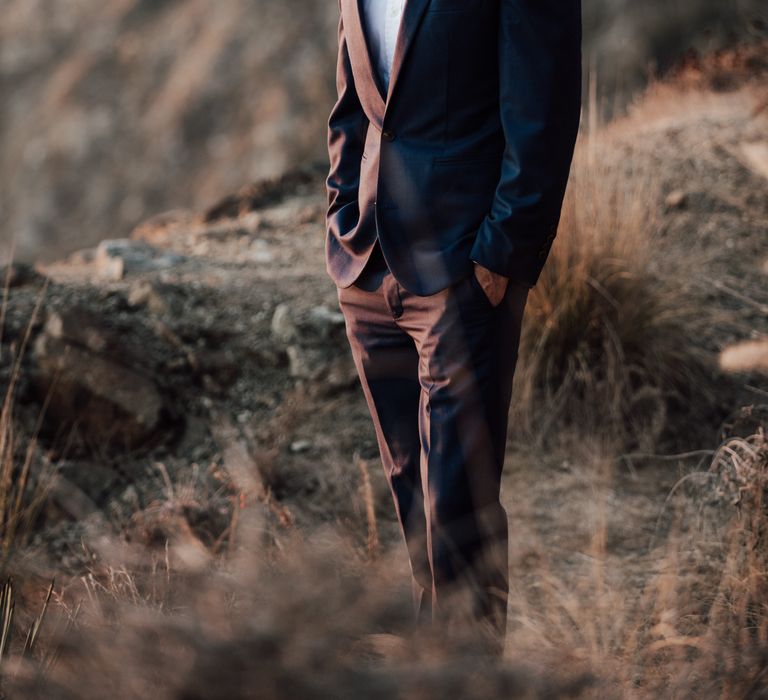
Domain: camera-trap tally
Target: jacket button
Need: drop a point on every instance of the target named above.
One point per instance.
(388, 135)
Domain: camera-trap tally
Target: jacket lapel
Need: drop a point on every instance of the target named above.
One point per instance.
(371, 97)
(368, 91)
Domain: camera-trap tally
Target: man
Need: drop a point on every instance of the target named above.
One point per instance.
(450, 147)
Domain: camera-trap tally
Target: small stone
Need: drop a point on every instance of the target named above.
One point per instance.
(109, 267)
(749, 355)
(306, 363)
(260, 252)
(95, 383)
(301, 445)
(283, 327)
(324, 320)
(677, 199)
(139, 294)
(114, 258)
(130, 496)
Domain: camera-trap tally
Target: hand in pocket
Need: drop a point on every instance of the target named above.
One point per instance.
(494, 285)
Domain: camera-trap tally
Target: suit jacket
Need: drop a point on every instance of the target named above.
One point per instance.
(468, 154)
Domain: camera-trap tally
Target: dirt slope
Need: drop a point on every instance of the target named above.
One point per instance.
(228, 317)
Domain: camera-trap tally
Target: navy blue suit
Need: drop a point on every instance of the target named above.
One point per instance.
(466, 158)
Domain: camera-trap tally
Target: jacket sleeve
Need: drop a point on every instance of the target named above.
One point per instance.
(347, 127)
(540, 106)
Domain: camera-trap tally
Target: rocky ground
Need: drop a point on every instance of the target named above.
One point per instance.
(208, 347)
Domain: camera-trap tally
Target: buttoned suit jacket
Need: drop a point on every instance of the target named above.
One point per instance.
(467, 155)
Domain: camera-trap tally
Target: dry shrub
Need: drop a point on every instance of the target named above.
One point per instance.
(706, 635)
(733, 648)
(607, 343)
(693, 624)
(294, 615)
(294, 621)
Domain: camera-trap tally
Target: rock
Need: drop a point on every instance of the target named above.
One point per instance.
(81, 257)
(130, 497)
(320, 323)
(109, 266)
(341, 374)
(283, 326)
(324, 320)
(93, 386)
(306, 363)
(162, 228)
(749, 355)
(315, 345)
(259, 252)
(677, 199)
(117, 257)
(755, 156)
(327, 371)
(147, 294)
(301, 445)
(139, 293)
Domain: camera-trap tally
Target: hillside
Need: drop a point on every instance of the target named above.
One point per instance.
(111, 112)
(195, 374)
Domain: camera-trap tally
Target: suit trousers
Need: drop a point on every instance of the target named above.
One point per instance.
(437, 373)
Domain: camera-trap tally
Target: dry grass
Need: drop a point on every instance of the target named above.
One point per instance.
(607, 343)
(302, 616)
(293, 621)
(698, 624)
(22, 493)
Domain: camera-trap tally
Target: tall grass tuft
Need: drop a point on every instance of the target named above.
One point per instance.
(735, 661)
(607, 343)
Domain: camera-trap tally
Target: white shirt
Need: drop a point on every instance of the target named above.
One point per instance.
(382, 24)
